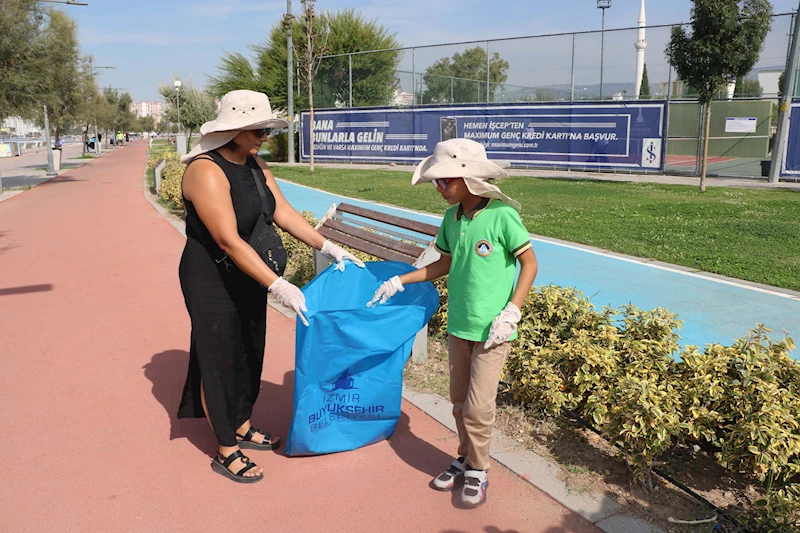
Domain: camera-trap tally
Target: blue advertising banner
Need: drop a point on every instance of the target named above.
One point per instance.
(791, 161)
(628, 135)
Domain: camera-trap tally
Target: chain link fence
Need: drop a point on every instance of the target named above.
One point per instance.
(564, 68)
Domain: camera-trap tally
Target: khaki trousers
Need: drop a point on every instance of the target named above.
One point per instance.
(474, 377)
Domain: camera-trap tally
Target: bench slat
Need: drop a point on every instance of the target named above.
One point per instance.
(360, 222)
(358, 244)
(375, 238)
(419, 227)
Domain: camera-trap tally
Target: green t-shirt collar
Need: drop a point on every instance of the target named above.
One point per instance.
(483, 204)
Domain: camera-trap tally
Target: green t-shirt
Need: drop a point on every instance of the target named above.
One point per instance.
(484, 246)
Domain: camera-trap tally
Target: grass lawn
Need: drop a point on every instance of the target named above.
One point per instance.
(748, 234)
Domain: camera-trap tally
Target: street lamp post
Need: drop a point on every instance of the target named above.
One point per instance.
(603, 5)
(289, 84)
(177, 84)
(180, 138)
(97, 148)
(50, 169)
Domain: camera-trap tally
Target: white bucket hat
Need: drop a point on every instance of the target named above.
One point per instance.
(464, 158)
(238, 110)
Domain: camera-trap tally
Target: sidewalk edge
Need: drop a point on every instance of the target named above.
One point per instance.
(599, 509)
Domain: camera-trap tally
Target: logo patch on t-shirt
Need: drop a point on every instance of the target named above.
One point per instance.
(484, 248)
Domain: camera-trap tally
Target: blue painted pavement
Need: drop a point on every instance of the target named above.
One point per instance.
(711, 310)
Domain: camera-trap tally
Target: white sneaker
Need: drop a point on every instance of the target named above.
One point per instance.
(447, 479)
(475, 484)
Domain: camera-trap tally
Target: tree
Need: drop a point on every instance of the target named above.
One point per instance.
(146, 124)
(88, 95)
(63, 90)
(311, 49)
(374, 77)
(725, 43)
(747, 88)
(124, 117)
(197, 106)
(236, 73)
(644, 92)
(21, 58)
(463, 79)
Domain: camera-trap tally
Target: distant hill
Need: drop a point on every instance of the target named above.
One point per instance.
(560, 92)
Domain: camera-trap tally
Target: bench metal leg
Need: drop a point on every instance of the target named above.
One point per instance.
(419, 351)
(320, 262)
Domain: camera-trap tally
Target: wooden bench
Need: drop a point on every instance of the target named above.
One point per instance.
(386, 237)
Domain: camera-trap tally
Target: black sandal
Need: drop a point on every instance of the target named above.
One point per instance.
(247, 441)
(221, 467)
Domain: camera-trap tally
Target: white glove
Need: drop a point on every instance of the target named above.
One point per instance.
(290, 296)
(387, 289)
(337, 254)
(503, 326)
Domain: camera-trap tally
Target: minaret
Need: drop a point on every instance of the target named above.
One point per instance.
(640, 46)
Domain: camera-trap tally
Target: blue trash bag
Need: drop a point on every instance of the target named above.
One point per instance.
(349, 360)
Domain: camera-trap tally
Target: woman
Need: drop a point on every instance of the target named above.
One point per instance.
(225, 281)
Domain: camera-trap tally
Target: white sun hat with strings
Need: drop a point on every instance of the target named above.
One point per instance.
(464, 158)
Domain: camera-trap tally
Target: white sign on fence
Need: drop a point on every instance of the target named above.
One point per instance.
(741, 124)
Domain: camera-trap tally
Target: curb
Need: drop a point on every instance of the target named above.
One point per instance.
(598, 509)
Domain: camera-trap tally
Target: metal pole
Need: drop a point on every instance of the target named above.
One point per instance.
(413, 76)
(488, 63)
(602, 48)
(572, 75)
(452, 80)
(350, 57)
(179, 109)
(50, 170)
(289, 86)
(789, 82)
(669, 84)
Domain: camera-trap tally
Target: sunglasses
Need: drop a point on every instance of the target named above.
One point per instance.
(443, 182)
(260, 132)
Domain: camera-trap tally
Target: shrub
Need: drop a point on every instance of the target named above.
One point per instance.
(278, 145)
(300, 256)
(619, 376)
(437, 326)
(171, 179)
(640, 410)
(779, 512)
(560, 335)
(743, 400)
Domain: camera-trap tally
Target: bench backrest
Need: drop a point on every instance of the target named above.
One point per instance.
(387, 237)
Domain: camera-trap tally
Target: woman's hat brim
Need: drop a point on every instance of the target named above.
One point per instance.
(214, 126)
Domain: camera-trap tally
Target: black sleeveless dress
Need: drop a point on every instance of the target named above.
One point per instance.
(228, 310)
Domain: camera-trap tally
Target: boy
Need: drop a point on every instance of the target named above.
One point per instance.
(480, 240)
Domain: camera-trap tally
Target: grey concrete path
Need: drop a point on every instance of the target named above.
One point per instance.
(30, 169)
(749, 183)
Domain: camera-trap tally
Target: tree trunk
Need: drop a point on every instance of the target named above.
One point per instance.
(706, 135)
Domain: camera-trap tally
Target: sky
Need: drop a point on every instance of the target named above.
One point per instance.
(151, 41)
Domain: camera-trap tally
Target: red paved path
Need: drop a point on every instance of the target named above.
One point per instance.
(93, 340)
